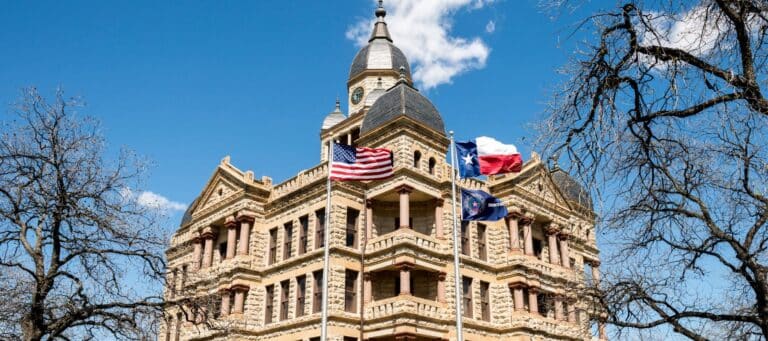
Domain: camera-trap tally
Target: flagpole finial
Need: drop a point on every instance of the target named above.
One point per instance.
(451, 132)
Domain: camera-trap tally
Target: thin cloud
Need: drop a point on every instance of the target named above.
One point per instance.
(490, 27)
(153, 200)
(422, 29)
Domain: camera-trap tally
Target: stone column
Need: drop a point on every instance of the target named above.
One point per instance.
(441, 287)
(558, 308)
(405, 214)
(439, 218)
(208, 250)
(517, 296)
(240, 291)
(231, 226)
(197, 242)
(514, 233)
(224, 302)
(564, 249)
(367, 292)
(368, 220)
(405, 279)
(246, 221)
(527, 221)
(596, 271)
(572, 311)
(533, 302)
(552, 231)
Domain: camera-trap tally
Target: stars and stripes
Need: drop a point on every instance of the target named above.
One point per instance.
(359, 163)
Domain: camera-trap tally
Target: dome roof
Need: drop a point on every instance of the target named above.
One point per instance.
(380, 53)
(334, 117)
(572, 189)
(402, 100)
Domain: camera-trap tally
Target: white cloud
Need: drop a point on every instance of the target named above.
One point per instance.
(422, 29)
(490, 27)
(153, 200)
(696, 30)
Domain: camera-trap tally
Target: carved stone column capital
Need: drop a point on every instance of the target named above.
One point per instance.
(404, 189)
(564, 235)
(230, 222)
(207, 232)
(552, 229)
(526, 219)
(239, 287)
(245, 216)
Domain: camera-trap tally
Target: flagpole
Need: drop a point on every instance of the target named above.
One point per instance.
(326, 251)
(456, 274)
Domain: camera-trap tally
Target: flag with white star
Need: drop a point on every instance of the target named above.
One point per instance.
(469, 165)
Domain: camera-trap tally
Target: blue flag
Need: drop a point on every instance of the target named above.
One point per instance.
(478, 205)
(469, 165)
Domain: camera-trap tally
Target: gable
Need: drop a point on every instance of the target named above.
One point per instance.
(539, 184)
(221, 186)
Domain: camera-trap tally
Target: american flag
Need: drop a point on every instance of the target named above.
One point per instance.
(359, 164)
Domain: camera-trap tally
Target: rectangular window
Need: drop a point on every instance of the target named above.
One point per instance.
(538, 246)
(352, 215)
(544, 303)
(301, 293)
(317, 295)
(284, 291)
(287, 240)
(172, 282)
(481, 242)
(269, 302)
(485, 305)
(303, 232)
(465, 238)
(183, 277)
(350, 291)
(272, 246)
(467, 296)
(222, 251)
(319, 228)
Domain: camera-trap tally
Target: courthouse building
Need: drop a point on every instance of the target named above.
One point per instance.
(247, 259)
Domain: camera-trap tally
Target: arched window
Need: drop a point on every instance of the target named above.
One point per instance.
(416, 158)
(432, 163)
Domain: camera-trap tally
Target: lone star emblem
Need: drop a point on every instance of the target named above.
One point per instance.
(467, 159)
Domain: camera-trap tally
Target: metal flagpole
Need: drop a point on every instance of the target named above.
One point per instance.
(326, 251)
(456, 274)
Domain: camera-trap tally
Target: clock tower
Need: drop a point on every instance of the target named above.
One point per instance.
(377, 66)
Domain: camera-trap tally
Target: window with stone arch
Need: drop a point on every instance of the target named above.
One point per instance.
(416, 159)
(432, 164)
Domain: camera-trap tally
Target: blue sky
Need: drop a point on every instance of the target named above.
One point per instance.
(186, 84)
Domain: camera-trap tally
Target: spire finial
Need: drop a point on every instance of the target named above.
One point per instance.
(380, 11)
(380, 29)
(338, 105)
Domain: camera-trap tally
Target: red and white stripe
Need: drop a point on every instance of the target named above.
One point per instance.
(371, 164)
(496, 157)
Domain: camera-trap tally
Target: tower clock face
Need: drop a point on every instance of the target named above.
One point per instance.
(357, 95)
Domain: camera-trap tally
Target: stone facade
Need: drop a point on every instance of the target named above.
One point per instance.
(246, 262)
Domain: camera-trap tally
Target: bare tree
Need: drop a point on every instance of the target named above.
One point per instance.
(665, 116)
(79, 258)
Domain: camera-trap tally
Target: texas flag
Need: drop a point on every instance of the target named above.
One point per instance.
(487, 156)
